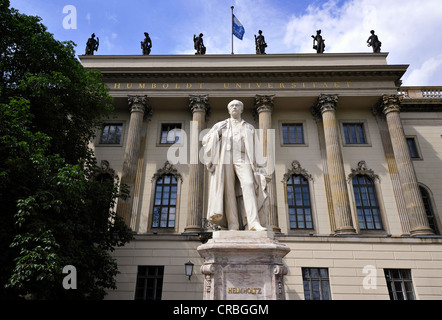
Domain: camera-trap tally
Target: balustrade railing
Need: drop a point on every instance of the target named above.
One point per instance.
(421, 92)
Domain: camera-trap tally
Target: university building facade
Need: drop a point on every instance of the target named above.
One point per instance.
(355, 191)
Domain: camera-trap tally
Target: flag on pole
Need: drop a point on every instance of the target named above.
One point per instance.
(237, 29)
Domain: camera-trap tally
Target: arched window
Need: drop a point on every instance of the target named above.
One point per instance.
(165, 204)
(429, 209)
(299, 204)
(367, 205)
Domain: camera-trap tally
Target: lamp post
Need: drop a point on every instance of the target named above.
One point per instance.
(188, 266)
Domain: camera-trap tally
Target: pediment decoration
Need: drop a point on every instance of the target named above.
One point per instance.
(296, 169)
(168, 169)
(363, 170)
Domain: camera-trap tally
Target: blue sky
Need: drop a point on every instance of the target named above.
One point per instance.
(408, 29)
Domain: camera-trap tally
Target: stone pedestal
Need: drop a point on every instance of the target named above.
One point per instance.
(243, 265)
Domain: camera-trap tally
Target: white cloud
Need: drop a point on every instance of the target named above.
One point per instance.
(427, 74)
(88, 18)
(111, 17)
(407, 29)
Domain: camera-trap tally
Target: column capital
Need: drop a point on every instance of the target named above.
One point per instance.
(137, 103)
(264, 103)
(140, 104)
(198, 103)
(327, 102)
(390, 103)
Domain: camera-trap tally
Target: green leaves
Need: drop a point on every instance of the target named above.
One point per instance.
(38, 263)
(55, 212)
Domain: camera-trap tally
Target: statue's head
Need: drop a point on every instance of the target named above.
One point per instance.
(372, 31)
(93, 35)
(235, 106)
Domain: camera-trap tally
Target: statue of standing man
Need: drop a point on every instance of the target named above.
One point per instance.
(260, 43)
(373, 41)
(233, 156)
(199, 44)
(320, 42)
(92, 45)
(146, 45)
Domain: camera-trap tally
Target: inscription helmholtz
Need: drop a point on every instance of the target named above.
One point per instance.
(244, 290)
(227, 85)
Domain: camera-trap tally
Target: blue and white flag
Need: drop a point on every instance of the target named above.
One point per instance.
(238, 29)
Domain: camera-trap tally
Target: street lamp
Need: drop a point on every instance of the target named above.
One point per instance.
(189, 268)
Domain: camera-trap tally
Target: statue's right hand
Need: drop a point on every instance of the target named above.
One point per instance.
(222, 127)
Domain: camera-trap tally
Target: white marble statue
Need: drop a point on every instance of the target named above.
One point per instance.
(233, 156)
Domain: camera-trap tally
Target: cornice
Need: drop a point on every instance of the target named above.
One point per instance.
(224, 67)
(230, 57)
(300, 73)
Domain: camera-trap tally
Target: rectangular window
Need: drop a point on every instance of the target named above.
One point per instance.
(399, 283)
(170, 133)
(293, 133)
(316, 284)
(367, 207)
(111, 133)
(298, 198)
(164, 209)
(412, 146)
(354, 133)
(149, 285)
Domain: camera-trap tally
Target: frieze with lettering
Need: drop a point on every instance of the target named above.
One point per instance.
(157, 86)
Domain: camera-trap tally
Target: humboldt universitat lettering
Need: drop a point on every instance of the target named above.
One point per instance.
(228, 85)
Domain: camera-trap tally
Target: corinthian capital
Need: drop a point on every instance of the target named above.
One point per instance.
(264, 103)
(391, 103)
(199, 103)
(137, 103)
(327, 102)
(140, 104)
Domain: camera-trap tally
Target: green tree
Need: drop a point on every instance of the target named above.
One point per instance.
(57, 209)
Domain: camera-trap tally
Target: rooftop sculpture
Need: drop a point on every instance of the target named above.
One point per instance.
(146, 45)
(260, 43)
(319, 46)
(92, 45)
(199, 44)
(373, 41)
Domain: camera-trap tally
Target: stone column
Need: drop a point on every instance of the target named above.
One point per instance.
(138, 109)
(264, 108)
(199, 105)
(328, 194)
(341, 204)
(392, 170)
(413, 201)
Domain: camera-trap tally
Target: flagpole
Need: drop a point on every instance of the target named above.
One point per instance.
(232, 27)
